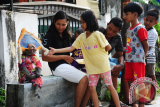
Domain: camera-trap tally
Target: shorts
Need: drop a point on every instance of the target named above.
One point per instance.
(93, 78)
(69, 73)
(134, 70)
(150, 69)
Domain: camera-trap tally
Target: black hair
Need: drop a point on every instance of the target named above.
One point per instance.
(66, 35)
(154, 13)
(133, 7)
(102, 30)
(91, 20)
(118, 22)
(79, 31)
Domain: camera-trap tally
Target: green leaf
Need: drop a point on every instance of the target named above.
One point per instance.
(141, 1)
(155, 2)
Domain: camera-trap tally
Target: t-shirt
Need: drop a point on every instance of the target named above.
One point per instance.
(152, 38)
(93, 49)
(56, 42)
(116, 43)
(134, 47)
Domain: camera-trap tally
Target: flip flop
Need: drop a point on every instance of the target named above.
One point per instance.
(128, 104)
(123, 104)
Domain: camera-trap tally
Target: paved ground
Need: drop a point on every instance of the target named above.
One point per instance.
(106, 104)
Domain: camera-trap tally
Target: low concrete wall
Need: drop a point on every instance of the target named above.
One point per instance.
(55, 92)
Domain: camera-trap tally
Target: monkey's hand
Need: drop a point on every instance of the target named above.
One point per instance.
(26, 72)
(38, 72)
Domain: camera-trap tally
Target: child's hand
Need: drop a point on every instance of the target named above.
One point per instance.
(52, 51)
(124, 48)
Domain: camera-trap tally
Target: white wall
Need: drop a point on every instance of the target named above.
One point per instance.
(11, 24)
(104, 20)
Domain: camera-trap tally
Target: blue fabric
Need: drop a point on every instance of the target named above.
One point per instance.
(27, 39)
(113, 62)
(158, 1)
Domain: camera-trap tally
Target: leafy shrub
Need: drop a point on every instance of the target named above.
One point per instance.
(157, 69)
(157, 27)
(108, 95)
(2, 97)
(154, 2)
(158, 83)
(141, 1)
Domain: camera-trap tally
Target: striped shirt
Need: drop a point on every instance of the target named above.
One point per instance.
(152, 38)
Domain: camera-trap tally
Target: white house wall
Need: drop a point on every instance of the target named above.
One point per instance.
(11, 24)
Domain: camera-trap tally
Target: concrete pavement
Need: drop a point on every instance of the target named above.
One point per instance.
(106, 103)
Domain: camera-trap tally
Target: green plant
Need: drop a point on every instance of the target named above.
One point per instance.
(108, 95)
(141, 1)
(158, 83)
(157, 27)
(157, 69)
(154, 2)
(2, 97)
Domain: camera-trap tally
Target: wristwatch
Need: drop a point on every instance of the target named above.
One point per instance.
(121, 65)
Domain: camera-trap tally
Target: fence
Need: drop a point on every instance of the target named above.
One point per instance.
(46, 10)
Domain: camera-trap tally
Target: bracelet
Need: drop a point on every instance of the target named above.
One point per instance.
(121, 65)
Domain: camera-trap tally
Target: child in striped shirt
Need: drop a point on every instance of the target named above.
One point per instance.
(150, 20)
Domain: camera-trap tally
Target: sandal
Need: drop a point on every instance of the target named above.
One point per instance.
(123, 104)
(100, 105)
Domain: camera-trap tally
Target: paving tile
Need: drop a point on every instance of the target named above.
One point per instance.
(106, 103)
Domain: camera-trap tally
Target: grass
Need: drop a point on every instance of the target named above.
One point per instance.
(2, 97)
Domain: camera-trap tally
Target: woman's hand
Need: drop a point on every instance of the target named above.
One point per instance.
(52, 51)
(68, 59)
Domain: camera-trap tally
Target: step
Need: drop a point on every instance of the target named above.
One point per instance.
(55, 92)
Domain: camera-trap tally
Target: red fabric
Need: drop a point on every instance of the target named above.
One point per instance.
(38, 64)
(134, 26)
(134, 70)
(142, 34)
(31, 62)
